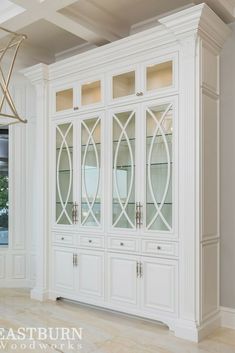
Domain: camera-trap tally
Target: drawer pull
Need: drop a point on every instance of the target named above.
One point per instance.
(76, 108)
(122, 244)
(90, 241)
(159, 247)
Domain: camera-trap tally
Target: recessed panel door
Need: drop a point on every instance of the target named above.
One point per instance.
(122, 280)
(158, 285)
(91, 274)
(64, 271)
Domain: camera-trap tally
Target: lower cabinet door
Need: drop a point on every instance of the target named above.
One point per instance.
(64, 271)
(91, 274)
(159, 285)
(122, 280)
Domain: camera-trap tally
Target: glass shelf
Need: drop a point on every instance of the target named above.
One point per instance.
(115, 141)
(152, 164)
(65, 171)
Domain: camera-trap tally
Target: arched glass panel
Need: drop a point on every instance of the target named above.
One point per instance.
(159, 132)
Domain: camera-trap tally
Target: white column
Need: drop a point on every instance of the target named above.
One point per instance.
(38, 75)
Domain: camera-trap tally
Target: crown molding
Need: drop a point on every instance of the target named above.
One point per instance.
(37, 73)
(197, 20)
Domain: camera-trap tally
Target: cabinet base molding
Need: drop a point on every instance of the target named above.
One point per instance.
(170, 322)
(190, 331)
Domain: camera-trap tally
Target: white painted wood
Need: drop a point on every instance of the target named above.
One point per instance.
(91, 274)
(2, 266)
(159, 285)
(210, 278)
(18, 267)
(64, 273)
(91, 241)
(168, 274)
(122, 280)
(159, 248)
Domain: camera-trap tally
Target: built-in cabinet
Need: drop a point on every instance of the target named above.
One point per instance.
(132, 182)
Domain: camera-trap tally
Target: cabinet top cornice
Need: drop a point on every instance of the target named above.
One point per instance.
(196, 20)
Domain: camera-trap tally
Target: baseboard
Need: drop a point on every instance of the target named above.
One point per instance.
(227, 317)
(16, 283)
(39, 294)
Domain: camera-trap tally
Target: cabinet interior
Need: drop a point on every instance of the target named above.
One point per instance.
(64, 99)
(91, 93)
(159, 75)
(124, 84)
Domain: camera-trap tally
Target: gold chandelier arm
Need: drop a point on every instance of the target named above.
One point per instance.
(5, 77)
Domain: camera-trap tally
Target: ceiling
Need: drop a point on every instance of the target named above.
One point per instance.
(59, 28)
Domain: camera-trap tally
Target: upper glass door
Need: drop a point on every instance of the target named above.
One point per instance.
(90, 172)
(64, 174)
(124, 169)
(159, 167)
(64, 99)
(91, 93)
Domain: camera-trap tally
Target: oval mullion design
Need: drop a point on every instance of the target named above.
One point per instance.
(123, 133)
(64, 204)
(90, 204)
(159, 208)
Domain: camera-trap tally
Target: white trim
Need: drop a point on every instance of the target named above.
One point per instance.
(227, 317)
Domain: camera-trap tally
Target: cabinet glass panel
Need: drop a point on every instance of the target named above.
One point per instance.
(124, 170)
(159, 75)
(159, 130)
(90, 169)
(91, 93)
(64, 173)
(64, 99)
(124, 84)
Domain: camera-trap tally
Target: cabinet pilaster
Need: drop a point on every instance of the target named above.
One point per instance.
(38, 75)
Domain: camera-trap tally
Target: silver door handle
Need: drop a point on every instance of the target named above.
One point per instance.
(141, 270)
(137, 269)
(138, 214)
(75, 260)
(75, 213)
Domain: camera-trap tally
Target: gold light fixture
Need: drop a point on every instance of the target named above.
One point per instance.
(8, 111)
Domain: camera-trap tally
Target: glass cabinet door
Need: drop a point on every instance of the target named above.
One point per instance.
(64, 173)
(91, 172)
(124, 160)
(124, 84)
(159, 75)
(91, 93)
(64, 100)
(159, 162)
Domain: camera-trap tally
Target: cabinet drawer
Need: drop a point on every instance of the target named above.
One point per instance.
(159, 248)
(63, 238)
(91, 241)
(123, 244)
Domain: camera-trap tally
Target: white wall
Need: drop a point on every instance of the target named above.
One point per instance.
(16, 261)
(228, 172)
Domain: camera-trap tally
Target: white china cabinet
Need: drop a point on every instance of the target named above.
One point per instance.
(128, 145)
